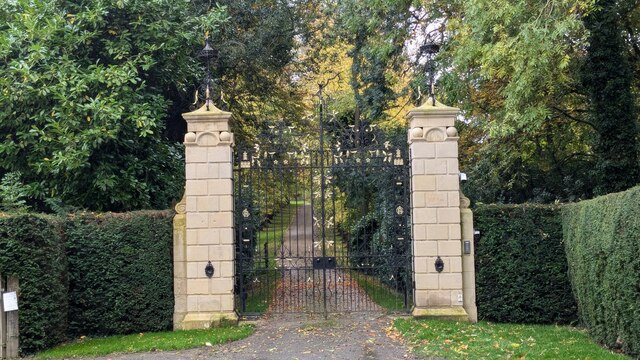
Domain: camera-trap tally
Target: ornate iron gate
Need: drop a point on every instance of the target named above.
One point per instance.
(322, 224)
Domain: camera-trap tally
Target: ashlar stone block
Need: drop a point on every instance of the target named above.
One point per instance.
(209, 236)
(197, 253)
(449, 215)
(454, 232)
(427, 281)
(423, 150)
(424, 182)
(450, 281)
(448, 182)
(425, 248)
(435, 166)
(221, 252)
(419, 232)
(418, 199)
(436, 199)
(197, 286)
(196, 187)
(221, 220)
(218, 154)
(220, 187)
(425, 216)
(449, 248)
(447, 149)
(439, 298)
(207, 303)
(208, 203)
(437, 232)
(226, 236)
(197, 220)
(195, 154)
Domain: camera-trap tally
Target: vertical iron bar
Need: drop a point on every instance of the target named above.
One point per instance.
(238, 239)
(310, 257)
(335, 223)
(322, 201)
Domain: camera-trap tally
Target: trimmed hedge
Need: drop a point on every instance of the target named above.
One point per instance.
(91, 274)
(521, 268)
(602, 239)
(31, 247)
(120, 273)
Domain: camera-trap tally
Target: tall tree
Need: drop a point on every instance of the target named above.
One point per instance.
(376, 31)
(88, 88)
(607, 77)
(82, 113)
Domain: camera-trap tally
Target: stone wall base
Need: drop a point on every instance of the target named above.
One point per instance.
(448, 313)
(204, 320)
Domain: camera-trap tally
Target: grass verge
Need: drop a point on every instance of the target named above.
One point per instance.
(454, 340)
(381, 294)
(160, 341)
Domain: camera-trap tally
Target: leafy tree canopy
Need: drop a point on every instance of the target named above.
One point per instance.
(92, 91)
(531, 128)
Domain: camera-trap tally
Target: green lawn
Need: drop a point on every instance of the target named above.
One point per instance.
(160, 341)
(454, 340)
(380, 293)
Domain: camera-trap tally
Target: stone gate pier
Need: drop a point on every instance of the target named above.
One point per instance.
(442, 223)
(203, 227)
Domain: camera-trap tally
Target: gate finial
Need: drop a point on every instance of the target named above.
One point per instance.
(209, 55)
(430, 49)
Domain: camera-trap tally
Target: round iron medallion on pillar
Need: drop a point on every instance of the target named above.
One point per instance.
(208, 270)
(439, 264)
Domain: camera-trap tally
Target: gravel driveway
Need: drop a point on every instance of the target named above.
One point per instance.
(357, 335)
(346, 336)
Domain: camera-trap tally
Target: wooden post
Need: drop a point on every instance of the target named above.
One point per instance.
(13, 332)
(2, 321)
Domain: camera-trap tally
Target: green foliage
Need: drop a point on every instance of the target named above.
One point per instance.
(542, 167)
(373, 30)
(256, 65)
(31, 247)
(490, 52)
(12, 192)
(93, 91)
(84, 103)
(607, 79)
(442, 339)
(521, 268)
(525, 136)
(513, 67)
(120, 273)
(147, 342)
(601, 241)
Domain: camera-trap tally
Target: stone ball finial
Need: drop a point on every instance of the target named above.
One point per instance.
(190, 137)
(452, 131)
(225, 136)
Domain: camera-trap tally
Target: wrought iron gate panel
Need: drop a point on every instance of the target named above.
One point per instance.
(313, 233)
